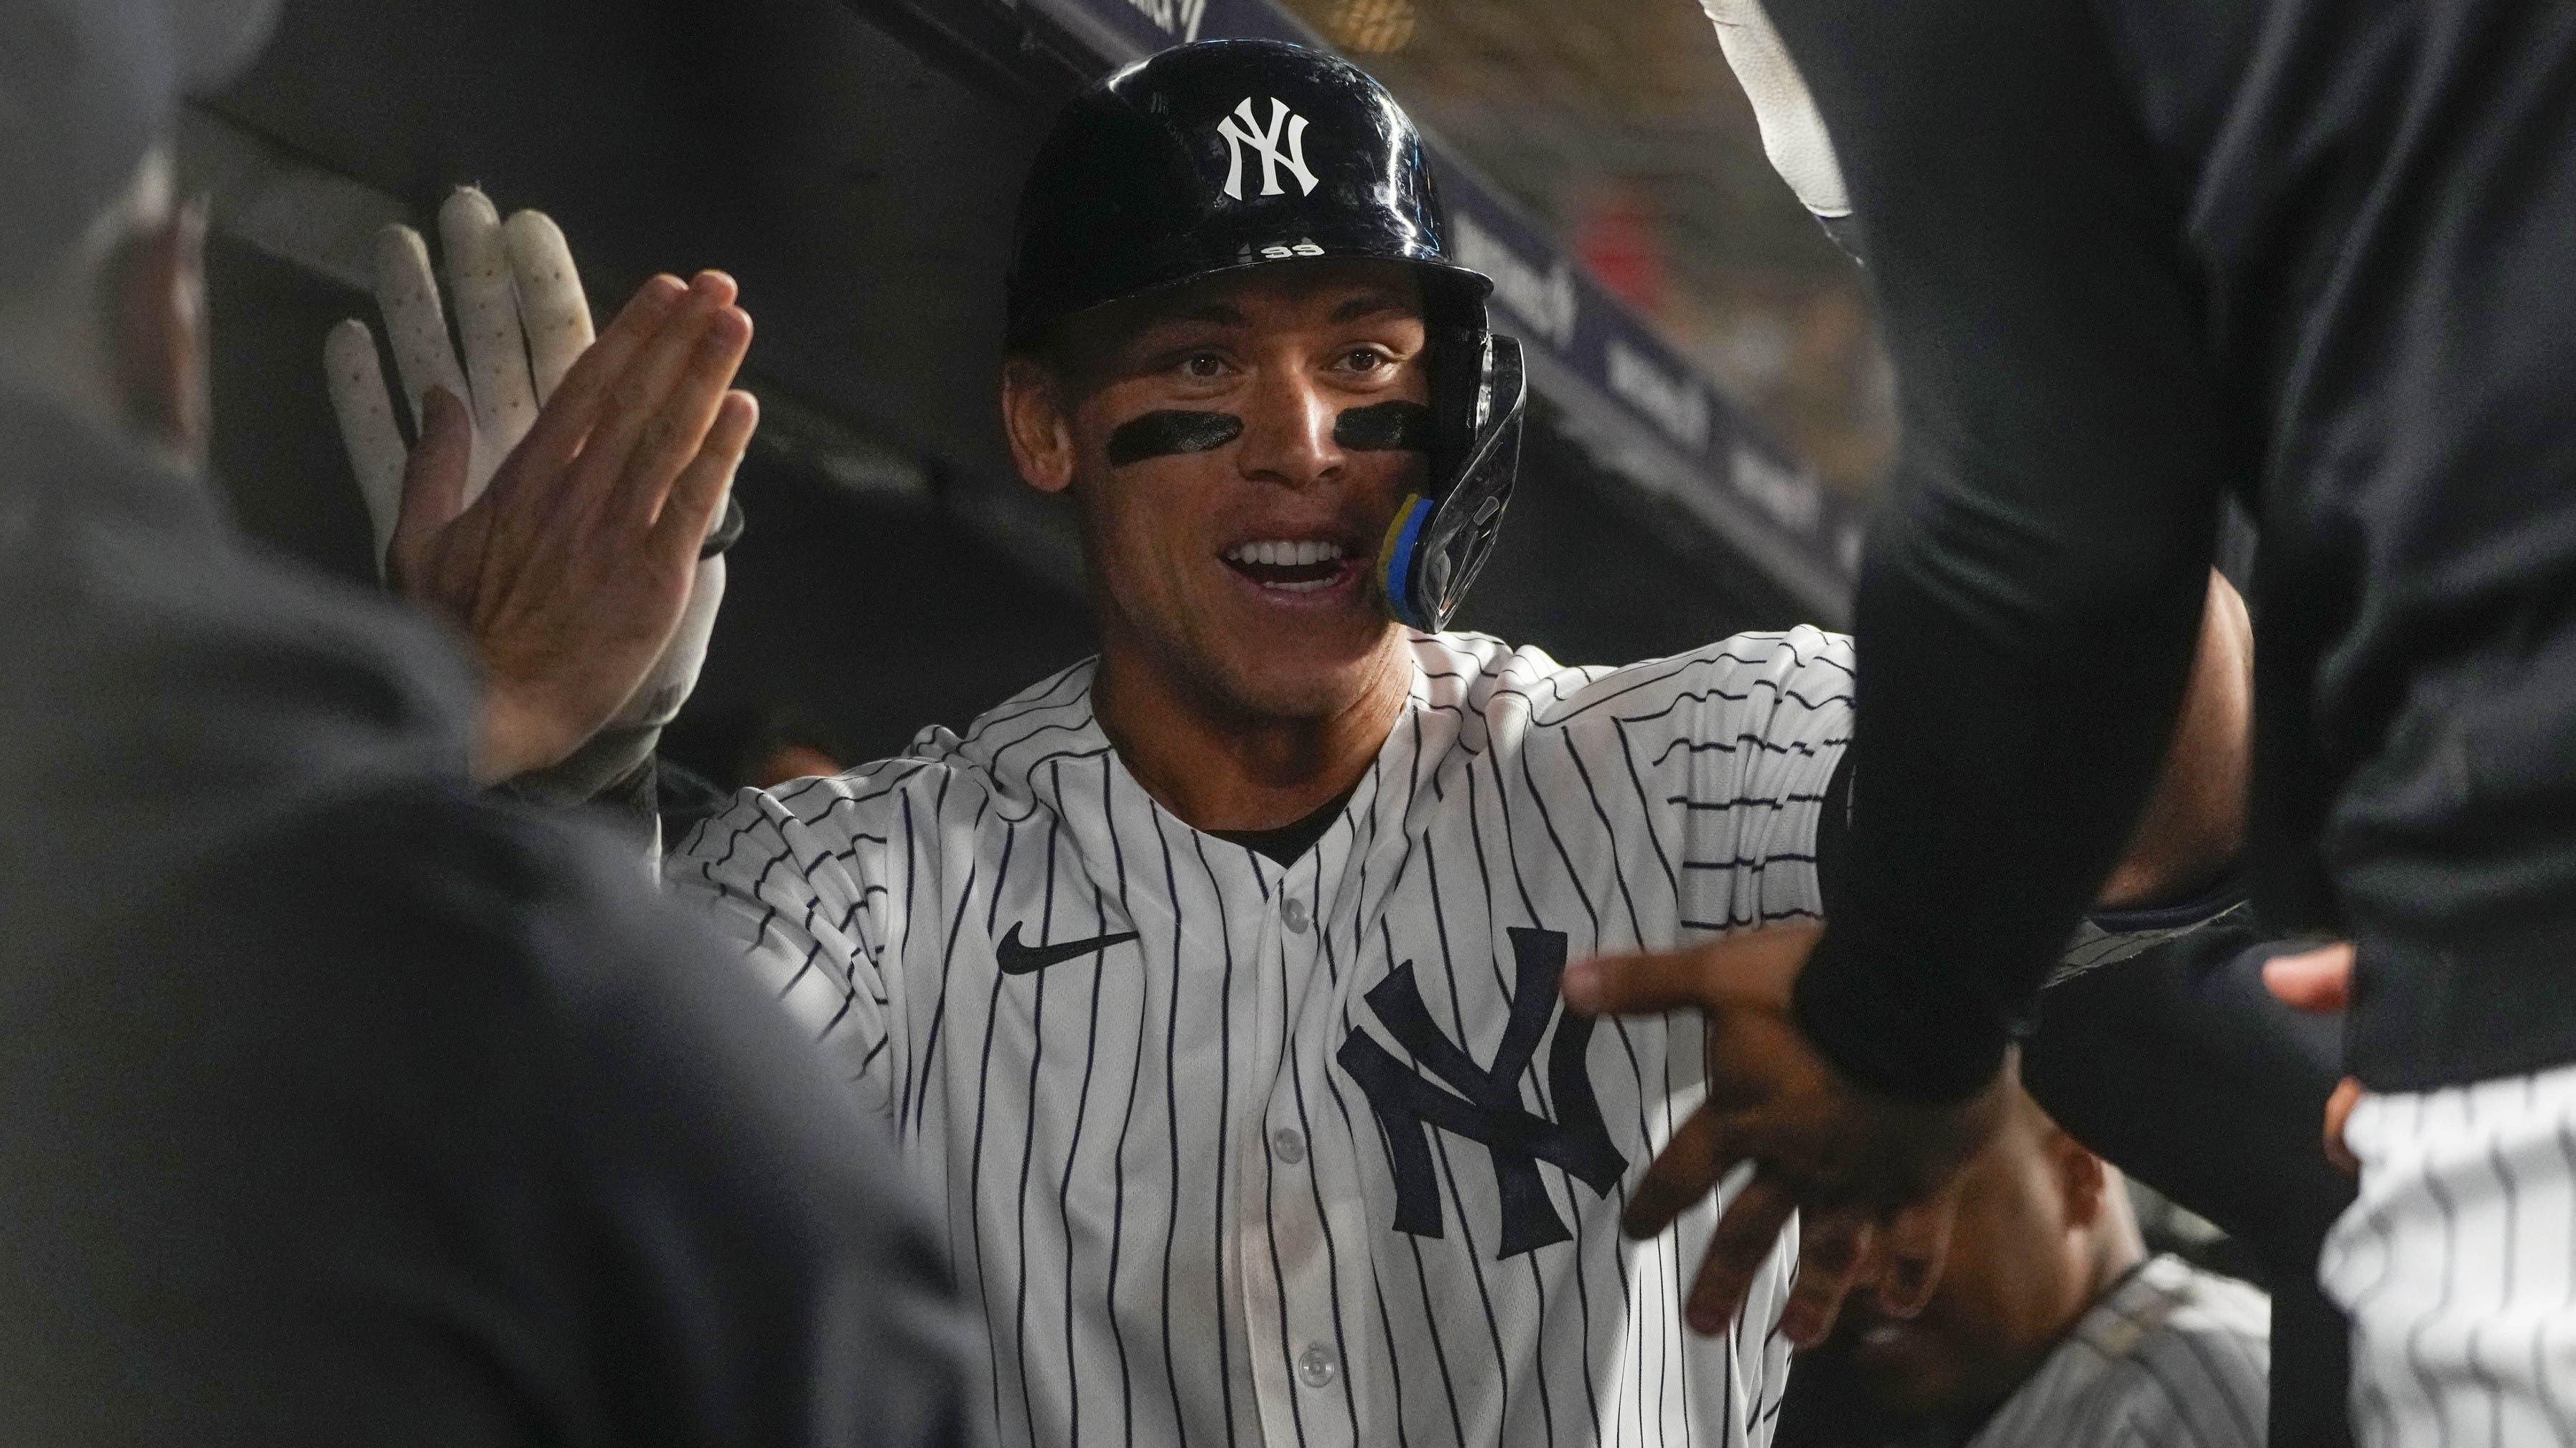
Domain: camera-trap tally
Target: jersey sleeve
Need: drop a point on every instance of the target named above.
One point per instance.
(796, 879)
(1768, 717)
(2027, 603)
(2108, 937)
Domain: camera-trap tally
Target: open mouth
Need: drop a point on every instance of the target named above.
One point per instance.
(1303, 565)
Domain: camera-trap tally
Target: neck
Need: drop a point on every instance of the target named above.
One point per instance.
(1222, 768)
(2118, 1245)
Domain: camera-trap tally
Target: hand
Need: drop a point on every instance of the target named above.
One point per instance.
(2320, 981)
(1870, 1174)
(571, 572)
(502, 519)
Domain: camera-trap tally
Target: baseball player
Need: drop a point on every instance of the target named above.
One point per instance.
(2052, 1326)
(1213, 984)
(346, 1105)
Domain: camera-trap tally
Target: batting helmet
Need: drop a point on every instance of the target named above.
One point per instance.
(1228, 154)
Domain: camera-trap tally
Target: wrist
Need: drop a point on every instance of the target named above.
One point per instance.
(1870, 1008)
(510, 739)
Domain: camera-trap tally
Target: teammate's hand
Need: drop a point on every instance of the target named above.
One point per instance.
(2320, 981)
(571, 570)
(1870, 1174)
(502, 534)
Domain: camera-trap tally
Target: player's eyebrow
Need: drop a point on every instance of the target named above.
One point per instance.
(1370, 304)
(1215, 314)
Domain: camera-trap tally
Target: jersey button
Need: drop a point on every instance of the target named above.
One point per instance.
(1287, 1145)
(1316, 1367)
(1292, 913)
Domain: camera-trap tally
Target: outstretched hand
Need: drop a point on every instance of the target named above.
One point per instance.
(1870, 1175)
(556, 501)
(572, 569)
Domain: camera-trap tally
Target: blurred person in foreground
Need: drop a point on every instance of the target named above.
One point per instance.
(2051, 1326)
(345, 1105)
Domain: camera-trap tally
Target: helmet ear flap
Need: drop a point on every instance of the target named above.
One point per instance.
(1438, 544)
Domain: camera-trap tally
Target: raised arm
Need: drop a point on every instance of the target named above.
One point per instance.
(2026, 625)
(2026, 611)
(561, 507)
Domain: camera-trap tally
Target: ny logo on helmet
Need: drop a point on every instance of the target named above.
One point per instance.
(1242, 129)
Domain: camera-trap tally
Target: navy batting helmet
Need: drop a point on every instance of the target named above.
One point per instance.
(1228, 154)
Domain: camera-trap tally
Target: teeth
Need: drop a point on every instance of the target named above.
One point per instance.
(1285, 553)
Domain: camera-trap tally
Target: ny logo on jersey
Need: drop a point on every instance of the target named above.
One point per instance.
(1483, 1104)
(1241, 130)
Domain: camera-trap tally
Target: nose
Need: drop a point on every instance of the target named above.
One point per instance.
(1288, 432)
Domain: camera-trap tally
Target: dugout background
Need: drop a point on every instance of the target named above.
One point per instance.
(854, 165)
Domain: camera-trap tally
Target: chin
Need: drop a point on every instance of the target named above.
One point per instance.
(1276, 682)
(1899, 1364)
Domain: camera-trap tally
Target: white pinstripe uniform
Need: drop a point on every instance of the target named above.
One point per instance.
(2453, 1264)
(2170, 1357)
(1311, 1157)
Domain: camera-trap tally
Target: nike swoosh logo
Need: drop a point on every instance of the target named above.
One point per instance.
(1018, 959)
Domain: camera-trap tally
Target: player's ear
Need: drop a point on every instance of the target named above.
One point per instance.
(2083, 1177)
(157, 319)
(1038, 423)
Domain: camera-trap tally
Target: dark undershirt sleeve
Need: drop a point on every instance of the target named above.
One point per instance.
(2028, 604)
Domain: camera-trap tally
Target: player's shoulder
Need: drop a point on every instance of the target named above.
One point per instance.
(2209, 1304)
(1484, 676)
(945, 780)
(2171, 1323)
(2167, 1297)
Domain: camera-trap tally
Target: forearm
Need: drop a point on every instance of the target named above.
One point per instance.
(2194, 825)
(1991, 793)
(2026, 616)
(2181, 1069)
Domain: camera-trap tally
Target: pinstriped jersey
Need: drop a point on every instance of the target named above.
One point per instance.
(1237, 1152)
(2171, 1355)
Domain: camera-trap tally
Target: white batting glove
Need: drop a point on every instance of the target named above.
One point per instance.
(524, 319)
(1793, 131)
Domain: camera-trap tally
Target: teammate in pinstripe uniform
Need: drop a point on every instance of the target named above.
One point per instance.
(2051, 1327)
(2172, 1354)
(1214, 983)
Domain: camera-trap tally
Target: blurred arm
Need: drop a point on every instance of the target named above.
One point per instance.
(2027, 609)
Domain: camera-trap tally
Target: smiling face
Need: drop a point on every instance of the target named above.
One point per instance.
(2043, 1228)
(1237, 448)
